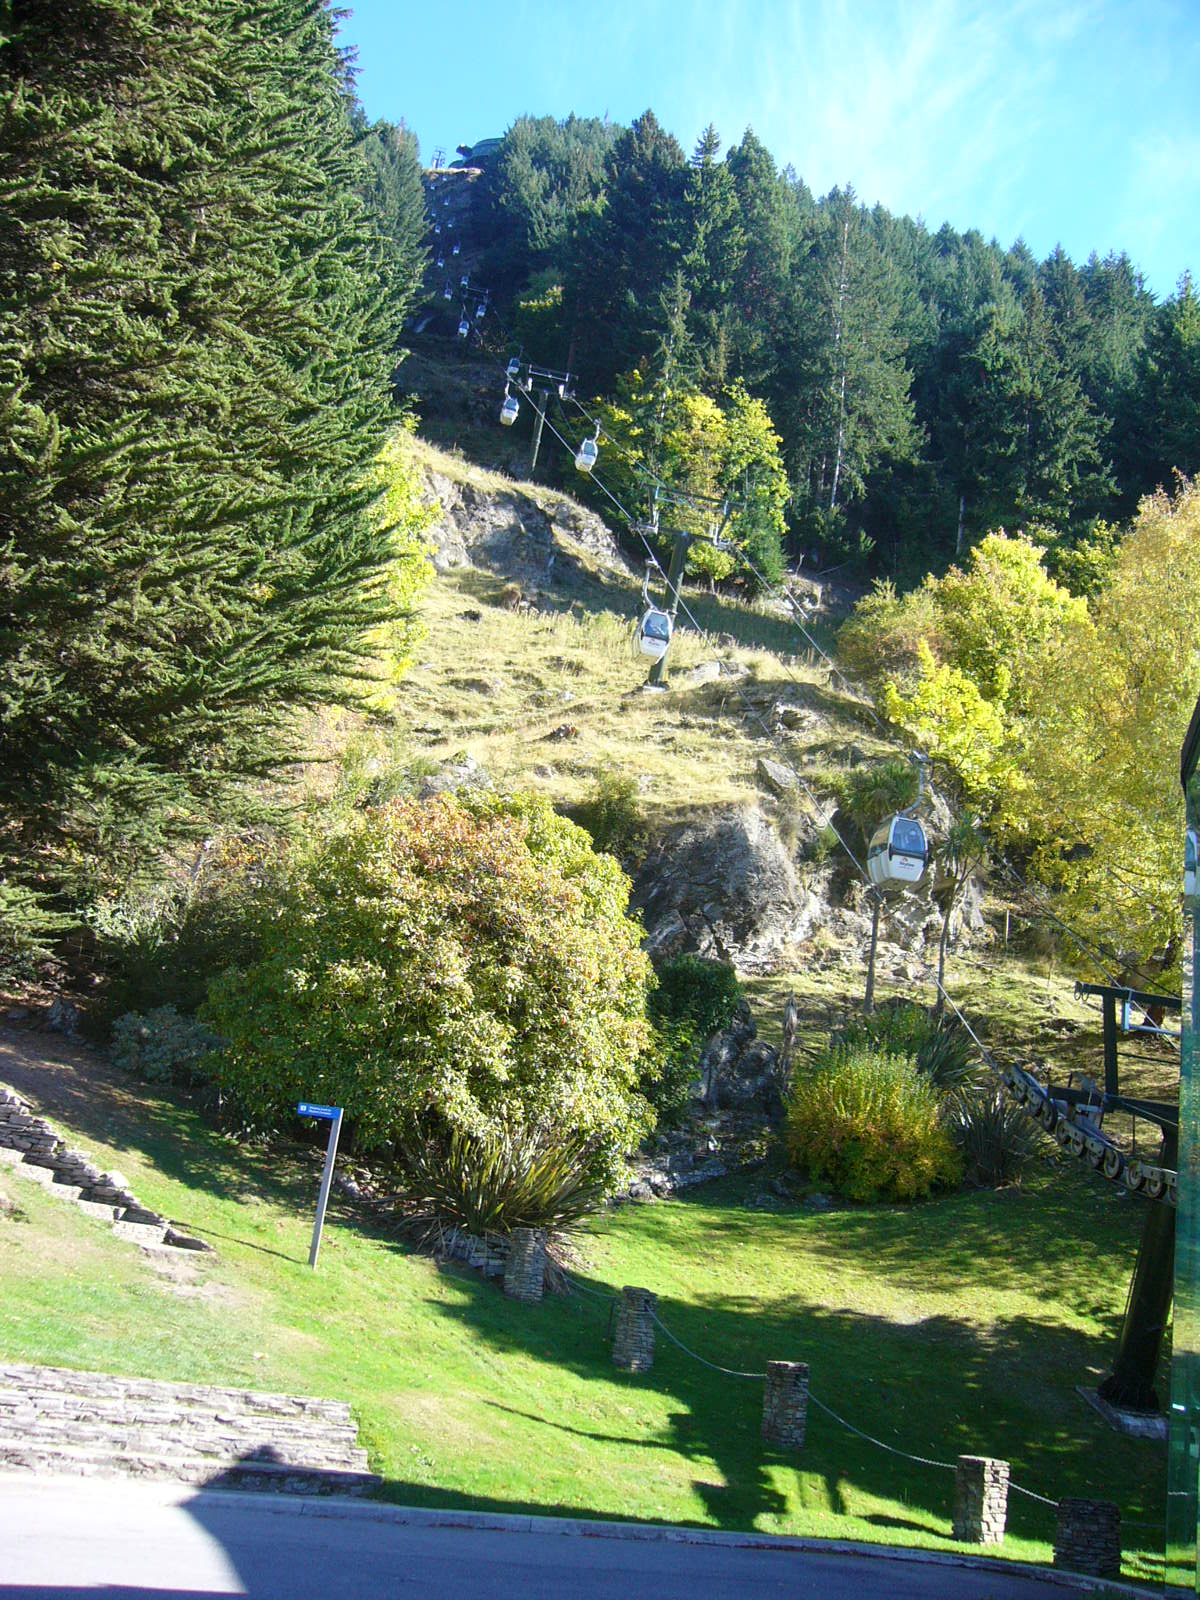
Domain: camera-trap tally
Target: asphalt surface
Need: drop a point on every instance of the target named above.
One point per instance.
(117, 1540)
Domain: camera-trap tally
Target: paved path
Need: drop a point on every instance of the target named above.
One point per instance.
(109, 1540)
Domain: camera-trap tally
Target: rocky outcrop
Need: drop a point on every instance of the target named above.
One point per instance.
(725, 886)
(508, 531)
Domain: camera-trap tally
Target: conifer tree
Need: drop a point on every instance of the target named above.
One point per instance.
(193, 371)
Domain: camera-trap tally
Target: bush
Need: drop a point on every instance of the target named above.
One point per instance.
(163, 1047)
(695, 998)
(465, 964)
(612, 814)
(495, 1182)
(868, 1123)
(995, 1136)
(941, 1050)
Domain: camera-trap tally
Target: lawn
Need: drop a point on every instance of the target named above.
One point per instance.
(961, 1325)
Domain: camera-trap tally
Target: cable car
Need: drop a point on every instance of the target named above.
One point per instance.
(514, 368)
(481, 311)
(441, 261)
(654, 634)
(509, 410)
(464, 328)
(457, 248)
(1191, 863)
(589, 449)
(464, 282)
(447, 293)
(437, 227)
(899, 852)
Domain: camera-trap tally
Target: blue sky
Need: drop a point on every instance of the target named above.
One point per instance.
(1075, 122)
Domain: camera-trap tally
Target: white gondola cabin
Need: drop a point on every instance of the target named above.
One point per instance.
(898, 853)
(457, 248)
(514, 368)
(437, 227)
(447, 293)
(585, 456)
(509, 410)
(441, 261)
(654, 634)
(1191, 864)
(464, 328)
(481, 311)
(464, 282)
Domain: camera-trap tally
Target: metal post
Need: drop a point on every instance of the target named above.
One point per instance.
(679, 550)
(876, 906)
(1131, 1382)
(1108, 1007)
(335, 1128)
(537, 432)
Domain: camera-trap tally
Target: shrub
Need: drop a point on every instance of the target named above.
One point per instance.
(695, 998)
(612, 814)
(465, 964)
(494, 1182)
(868, 1122)
(941, 1050)
(163, 1047)
(996, 1138)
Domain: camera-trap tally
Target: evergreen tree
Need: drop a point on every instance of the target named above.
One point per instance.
(1171, 386)
(193, 387)
(714, 255)
(396, 197)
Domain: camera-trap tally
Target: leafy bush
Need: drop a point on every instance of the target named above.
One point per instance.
(465, 964)
(163, 1047)
(941, 1050)
(695, 998)
(612, 814)
(494, 1182)
(996, 1138)
(869, 1123)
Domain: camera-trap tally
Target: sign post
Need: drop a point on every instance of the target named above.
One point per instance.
(332, 1115)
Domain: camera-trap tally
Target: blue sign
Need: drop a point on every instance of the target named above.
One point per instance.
(325, 1113)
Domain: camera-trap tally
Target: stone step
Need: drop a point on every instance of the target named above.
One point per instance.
(182, 1444)
(234, 1473)
(28, 1380)
(17, 1407)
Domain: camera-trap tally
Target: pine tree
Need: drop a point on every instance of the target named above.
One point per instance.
(396, 197)
(193, 372)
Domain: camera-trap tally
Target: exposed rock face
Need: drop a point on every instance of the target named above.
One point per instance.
(724, 886)
(456, 775)
(738, 1072)
(507, 532)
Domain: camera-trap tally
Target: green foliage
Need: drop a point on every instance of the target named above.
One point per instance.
(612, 814)
(464, 964)
(694, 999)
(867, 1122)
(395, 195)
(196, 349)
(881, 638)
(941, 1051)
(946, 714)
(874, 791)
(493, 1182)
(994, 1135)
(163, 1047)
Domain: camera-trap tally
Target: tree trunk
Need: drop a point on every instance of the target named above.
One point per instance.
(943, 941)
(962, 519)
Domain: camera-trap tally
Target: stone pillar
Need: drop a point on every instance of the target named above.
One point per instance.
(633, 1336)
(525, 1270)
(785, 1404)
(1087, 1537)
(980, 1499)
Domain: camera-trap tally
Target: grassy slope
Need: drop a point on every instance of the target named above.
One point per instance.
(961, 1325)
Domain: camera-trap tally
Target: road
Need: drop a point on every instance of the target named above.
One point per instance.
(117, 1540)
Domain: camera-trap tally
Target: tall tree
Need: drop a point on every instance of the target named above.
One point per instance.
(716, 244)
(396, 197)
(194, 364)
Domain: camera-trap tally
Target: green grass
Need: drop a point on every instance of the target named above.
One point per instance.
(960, 1325)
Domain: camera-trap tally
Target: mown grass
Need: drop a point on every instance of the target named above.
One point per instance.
(961, 1325)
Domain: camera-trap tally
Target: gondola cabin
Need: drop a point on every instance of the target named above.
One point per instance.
(898, 853)
(464, 328)
(447, 293)
(457, 248)
(585, 456)
(441, 261)
(509, 410)
(1191, 863)
(481, 310)
(513, 368)
(654, 634)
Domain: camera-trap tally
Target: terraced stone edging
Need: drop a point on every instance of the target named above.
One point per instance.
(30, 1145)
(93, 1424)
